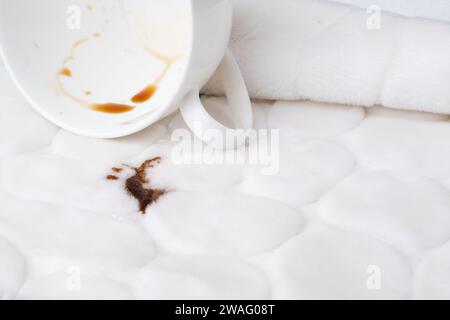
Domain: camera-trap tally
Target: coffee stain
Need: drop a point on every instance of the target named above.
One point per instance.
(89, 7)
(149, 91)
(167, 60)
(76, 45)
(66, 72)
(113, 108)
(35, 45)
(59, 88)
(137, 185)
(110, 107)
(145, 95)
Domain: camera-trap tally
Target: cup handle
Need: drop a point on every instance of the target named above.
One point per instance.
(199, 120)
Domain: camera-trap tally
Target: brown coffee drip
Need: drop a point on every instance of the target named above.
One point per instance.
(145, 94)
(65, 72)
(135, 185)
(113, 108)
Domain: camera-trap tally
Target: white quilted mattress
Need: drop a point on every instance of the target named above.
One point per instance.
(360, 209)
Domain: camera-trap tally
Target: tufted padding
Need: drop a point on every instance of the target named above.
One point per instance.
(360, 209)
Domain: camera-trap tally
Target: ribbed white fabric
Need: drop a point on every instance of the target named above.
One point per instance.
(324, 51)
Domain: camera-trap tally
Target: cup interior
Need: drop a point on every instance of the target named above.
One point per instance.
(103, 68)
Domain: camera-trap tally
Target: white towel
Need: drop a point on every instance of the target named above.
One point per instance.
(323, 51)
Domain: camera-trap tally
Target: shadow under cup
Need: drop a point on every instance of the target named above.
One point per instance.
(100, 68)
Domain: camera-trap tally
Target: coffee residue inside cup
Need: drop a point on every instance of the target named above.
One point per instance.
(138, 185)
(145, 94)
(65, 72)
(111, 107)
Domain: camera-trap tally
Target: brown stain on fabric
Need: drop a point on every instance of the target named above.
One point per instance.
(138, 185)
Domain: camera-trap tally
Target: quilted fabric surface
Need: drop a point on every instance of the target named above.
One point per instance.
(360, 208)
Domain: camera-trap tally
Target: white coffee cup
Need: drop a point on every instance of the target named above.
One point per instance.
(76, 61)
